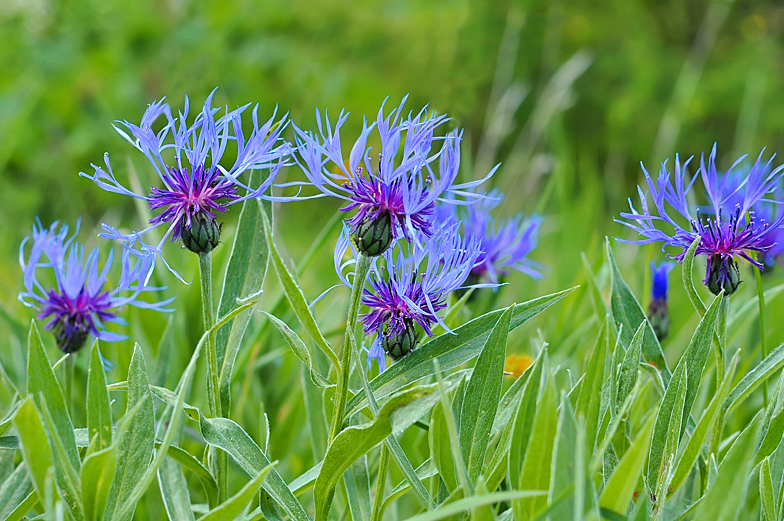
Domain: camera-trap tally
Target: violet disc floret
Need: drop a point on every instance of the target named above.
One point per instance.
(77, 300)
(394, 193)
(727, 236)
(199, 182)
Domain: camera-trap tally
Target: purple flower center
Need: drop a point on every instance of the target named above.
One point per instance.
(372, 197)
(74, 319)
(189, 195)
(389, 307)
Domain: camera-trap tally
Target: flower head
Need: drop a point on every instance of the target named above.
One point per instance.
(394, 194)
(505, 244)
(197, 184)
(78, 300)
(661, 275)
(727, 235)
(411, 286)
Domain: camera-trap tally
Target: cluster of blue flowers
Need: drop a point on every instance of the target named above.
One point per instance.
(427, 235)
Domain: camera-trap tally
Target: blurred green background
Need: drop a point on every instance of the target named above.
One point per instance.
(569, 96)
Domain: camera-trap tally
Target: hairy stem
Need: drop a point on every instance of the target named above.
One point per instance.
(378, 513)
(220, 463)
(363, 267)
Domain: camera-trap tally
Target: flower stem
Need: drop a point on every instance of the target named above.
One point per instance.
(220, 464)
(378, 502)
(721, 348)
(363, 267)
(761, 303)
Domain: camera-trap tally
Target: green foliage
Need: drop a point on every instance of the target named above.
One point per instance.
(597, 427)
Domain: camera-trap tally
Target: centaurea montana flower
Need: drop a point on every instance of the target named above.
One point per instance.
(196, 185)
(410, 288)
(726, 235)
(79, 300)
(394, 193)
(505, 243)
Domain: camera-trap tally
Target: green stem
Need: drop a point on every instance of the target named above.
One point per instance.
(378, 502)
(220, 462)
(363, 267)
(720, 350)
(761, 302)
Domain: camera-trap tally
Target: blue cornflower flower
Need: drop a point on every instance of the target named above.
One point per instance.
(196, 186)
(80, 300)
(726, 235)
(376, 352)
(412, 285)
(658, 312)
(395, 193)
(505, 244)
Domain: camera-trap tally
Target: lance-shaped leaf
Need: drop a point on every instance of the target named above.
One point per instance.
(295, 296)
(42, 385)
(15, 489)
(300, 350)
(99, 412)
(537, 466)
(524, 420)
(451, 350)
(136, 447)
(772, 363)
(353, 442)
(670, 412)
(234, 506)
(35, 446)
(590, 400)
(482, 397)
(245, 276)
(629, 367)
(628, 315)
(619, 488)
(720, 502)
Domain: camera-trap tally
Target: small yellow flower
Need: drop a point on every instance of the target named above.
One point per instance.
(516, 365)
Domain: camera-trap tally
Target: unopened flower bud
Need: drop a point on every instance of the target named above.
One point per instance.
(723, 274)
(658, 313)
(400, 344)
(374, 235)
(70, 337)
(203, 235)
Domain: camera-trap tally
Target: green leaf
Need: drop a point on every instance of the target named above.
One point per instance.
(630, 366)
(227, 435)
(452, 350)
(440, 449)
(66, 478)
(314, 411)
(96, 481)
(627, 312)
(772, 363)
(482, 512)
(720, 502)
(35, 445)
(99, 412)
(670, 412)
(696, 355)
(537, 466)
(564, 454)
(135, 450)
(470, 503)
(174, 490)
(357, 481)
(41, 382)
(482, 397)
(14, 490)
(234, 506)
(296, 298)
(524, 420)
(300, 350)
(619, 488)
(21, 511)
(766, 491)
(590, 400)
(245, 274)
(353, 442)
(189, 462)
(688, 278)
(700, 434)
